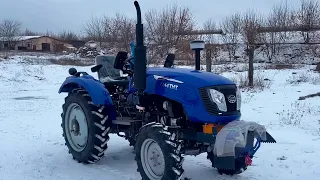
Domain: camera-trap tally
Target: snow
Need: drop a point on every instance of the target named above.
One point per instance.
(33, 146)
(19, 38)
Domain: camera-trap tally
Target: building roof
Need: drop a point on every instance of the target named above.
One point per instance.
(20, 38)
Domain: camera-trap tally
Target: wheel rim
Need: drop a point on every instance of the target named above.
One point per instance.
(76, 127)
(152, 159)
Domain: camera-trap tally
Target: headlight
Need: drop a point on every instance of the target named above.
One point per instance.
(238, 98)
(218, 98)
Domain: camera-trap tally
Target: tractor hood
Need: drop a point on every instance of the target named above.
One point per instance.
(196, 78)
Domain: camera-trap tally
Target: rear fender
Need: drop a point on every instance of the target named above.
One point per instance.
(97, 91)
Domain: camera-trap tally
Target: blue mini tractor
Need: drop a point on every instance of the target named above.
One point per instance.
(164, 113)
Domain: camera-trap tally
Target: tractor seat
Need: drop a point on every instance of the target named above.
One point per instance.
(108, 74)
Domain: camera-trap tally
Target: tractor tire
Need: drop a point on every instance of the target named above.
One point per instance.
(158, 153)
(239, 163)
(85, 127)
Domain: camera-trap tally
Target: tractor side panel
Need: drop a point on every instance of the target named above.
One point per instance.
(188, 96)
(98, 93)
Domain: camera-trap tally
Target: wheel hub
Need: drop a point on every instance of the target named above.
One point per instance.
(152, 159)
(155, 158)
(76, 127)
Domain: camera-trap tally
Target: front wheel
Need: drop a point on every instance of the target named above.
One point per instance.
(240, 165)
(158, 153)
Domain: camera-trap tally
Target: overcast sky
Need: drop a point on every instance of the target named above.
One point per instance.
(56, 15)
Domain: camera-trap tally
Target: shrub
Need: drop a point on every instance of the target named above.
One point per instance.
(304, 77)
(260, 81)
(72, 62)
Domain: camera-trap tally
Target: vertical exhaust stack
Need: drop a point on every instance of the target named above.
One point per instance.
(140, 55)
(197, 46)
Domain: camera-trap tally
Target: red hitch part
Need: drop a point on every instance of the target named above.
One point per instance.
(248, 160)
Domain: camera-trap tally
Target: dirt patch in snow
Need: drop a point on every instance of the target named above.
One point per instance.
(30, 98)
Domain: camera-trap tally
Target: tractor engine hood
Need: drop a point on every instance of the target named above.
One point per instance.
(195, 78)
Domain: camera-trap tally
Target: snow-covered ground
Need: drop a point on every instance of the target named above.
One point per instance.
(32, 146)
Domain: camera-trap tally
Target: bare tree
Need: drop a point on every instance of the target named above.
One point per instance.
(207, 26)
(28, 32)
(212, 50)
(120, 31)
(163, 27)
(94, 29)
(116, 32)
(9, 31)
(308, 15)
(279, 17)
(251, 22)
(67, 35)
(231, 26)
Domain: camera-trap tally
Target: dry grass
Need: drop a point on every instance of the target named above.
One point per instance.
(304, 77)
(260, 81)
(283, 66)
(298, 112)
(72, 62)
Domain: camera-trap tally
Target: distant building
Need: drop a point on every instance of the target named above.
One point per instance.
(76, 43)
(35, 43)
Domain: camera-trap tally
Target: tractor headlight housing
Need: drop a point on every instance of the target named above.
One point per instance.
(238, 95)
(219, 99)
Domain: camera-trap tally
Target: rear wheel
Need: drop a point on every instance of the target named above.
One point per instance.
(158, 153)
(85, 127)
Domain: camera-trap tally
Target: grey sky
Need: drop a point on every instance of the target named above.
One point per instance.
(56, 15)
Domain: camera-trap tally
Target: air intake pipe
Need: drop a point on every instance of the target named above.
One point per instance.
(140, 53)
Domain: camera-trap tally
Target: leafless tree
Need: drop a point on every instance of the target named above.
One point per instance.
(279, 17)
(120, 31)
(28, 32)
(94, 29)
(50, 34)
(207, 26)
(9, 31)
(231, 26)
(308, 15)
(250, 23)
(67, 35)
(163, 27)
(111, 32)
(212, 50)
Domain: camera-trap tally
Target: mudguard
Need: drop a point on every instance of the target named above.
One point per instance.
(98, 93)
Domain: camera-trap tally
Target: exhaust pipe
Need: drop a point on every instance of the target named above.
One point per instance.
(197, 46)
(140, 59)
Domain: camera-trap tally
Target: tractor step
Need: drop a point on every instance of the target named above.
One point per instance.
(124, 121)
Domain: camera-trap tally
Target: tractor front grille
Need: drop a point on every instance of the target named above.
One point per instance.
(211, 107)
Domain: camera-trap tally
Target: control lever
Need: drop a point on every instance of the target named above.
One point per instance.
(96, 68)
(74, 72)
